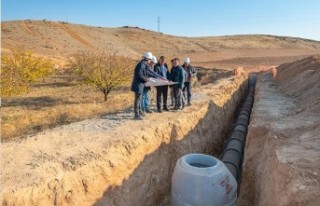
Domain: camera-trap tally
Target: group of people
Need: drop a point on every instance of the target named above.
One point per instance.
(179, 79)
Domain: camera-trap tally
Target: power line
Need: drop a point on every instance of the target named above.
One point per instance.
(159, 24)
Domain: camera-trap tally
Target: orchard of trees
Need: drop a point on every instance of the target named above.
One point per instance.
(20, 69)
(102, 70)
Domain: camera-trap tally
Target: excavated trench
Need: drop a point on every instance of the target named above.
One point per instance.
(150, 183)
(233, 152)
(137, 167)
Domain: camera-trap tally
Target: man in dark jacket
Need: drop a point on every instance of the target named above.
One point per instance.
(140, 77)
(162, 91)
(145, 102)
(191, 72)
(178, 75)
(171, 86)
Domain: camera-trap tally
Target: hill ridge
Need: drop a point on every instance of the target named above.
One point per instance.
(60, 39)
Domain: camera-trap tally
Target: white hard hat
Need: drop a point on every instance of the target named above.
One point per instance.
(148, 55)
(154, 59)
(186, 60)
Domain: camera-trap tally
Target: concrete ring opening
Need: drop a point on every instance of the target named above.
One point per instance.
(199, 161)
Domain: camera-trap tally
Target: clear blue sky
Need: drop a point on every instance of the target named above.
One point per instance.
(299, 18)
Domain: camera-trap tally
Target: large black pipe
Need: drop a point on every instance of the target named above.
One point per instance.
(233, 152)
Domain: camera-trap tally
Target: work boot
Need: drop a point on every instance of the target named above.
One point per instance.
(137, 117)
(189, 104)
(149, 111)
(166, 109)
(159, 110)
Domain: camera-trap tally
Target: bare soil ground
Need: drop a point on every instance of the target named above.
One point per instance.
(57, 40)
(62, 100)
(109, 155)
(59, 100)
(282, 158)
(100, 161)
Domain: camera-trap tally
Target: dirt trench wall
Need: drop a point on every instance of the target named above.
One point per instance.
(262, 175)
(202, 131)
(281, 161)
(261, 172)
(136, 170)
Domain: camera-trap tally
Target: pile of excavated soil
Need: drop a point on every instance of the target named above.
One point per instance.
(115, 160)
(301, 80)
(282, 155)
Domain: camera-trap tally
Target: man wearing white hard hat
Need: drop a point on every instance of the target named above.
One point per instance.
(140, 77)
(191, 72)
(145, 102)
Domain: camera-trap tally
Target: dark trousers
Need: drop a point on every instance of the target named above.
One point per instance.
(172, 95)
(162, 91)
(178, 97)
(187, 91)
(137, 104)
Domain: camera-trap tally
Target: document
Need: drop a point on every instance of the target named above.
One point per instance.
(158, 82)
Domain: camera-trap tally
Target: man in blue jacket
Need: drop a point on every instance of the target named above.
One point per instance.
(178, 75)
(161, 68)
(140, 77)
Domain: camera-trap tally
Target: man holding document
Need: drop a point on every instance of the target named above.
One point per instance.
(162, 91)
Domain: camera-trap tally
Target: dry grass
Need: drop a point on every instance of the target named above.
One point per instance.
(57, 102)
(63, 100)
(58, 40)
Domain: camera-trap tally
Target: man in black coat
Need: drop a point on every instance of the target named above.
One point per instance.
(140, 77)
(161, 68)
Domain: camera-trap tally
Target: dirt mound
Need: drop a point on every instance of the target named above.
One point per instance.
(210, 75)
(301, 80)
